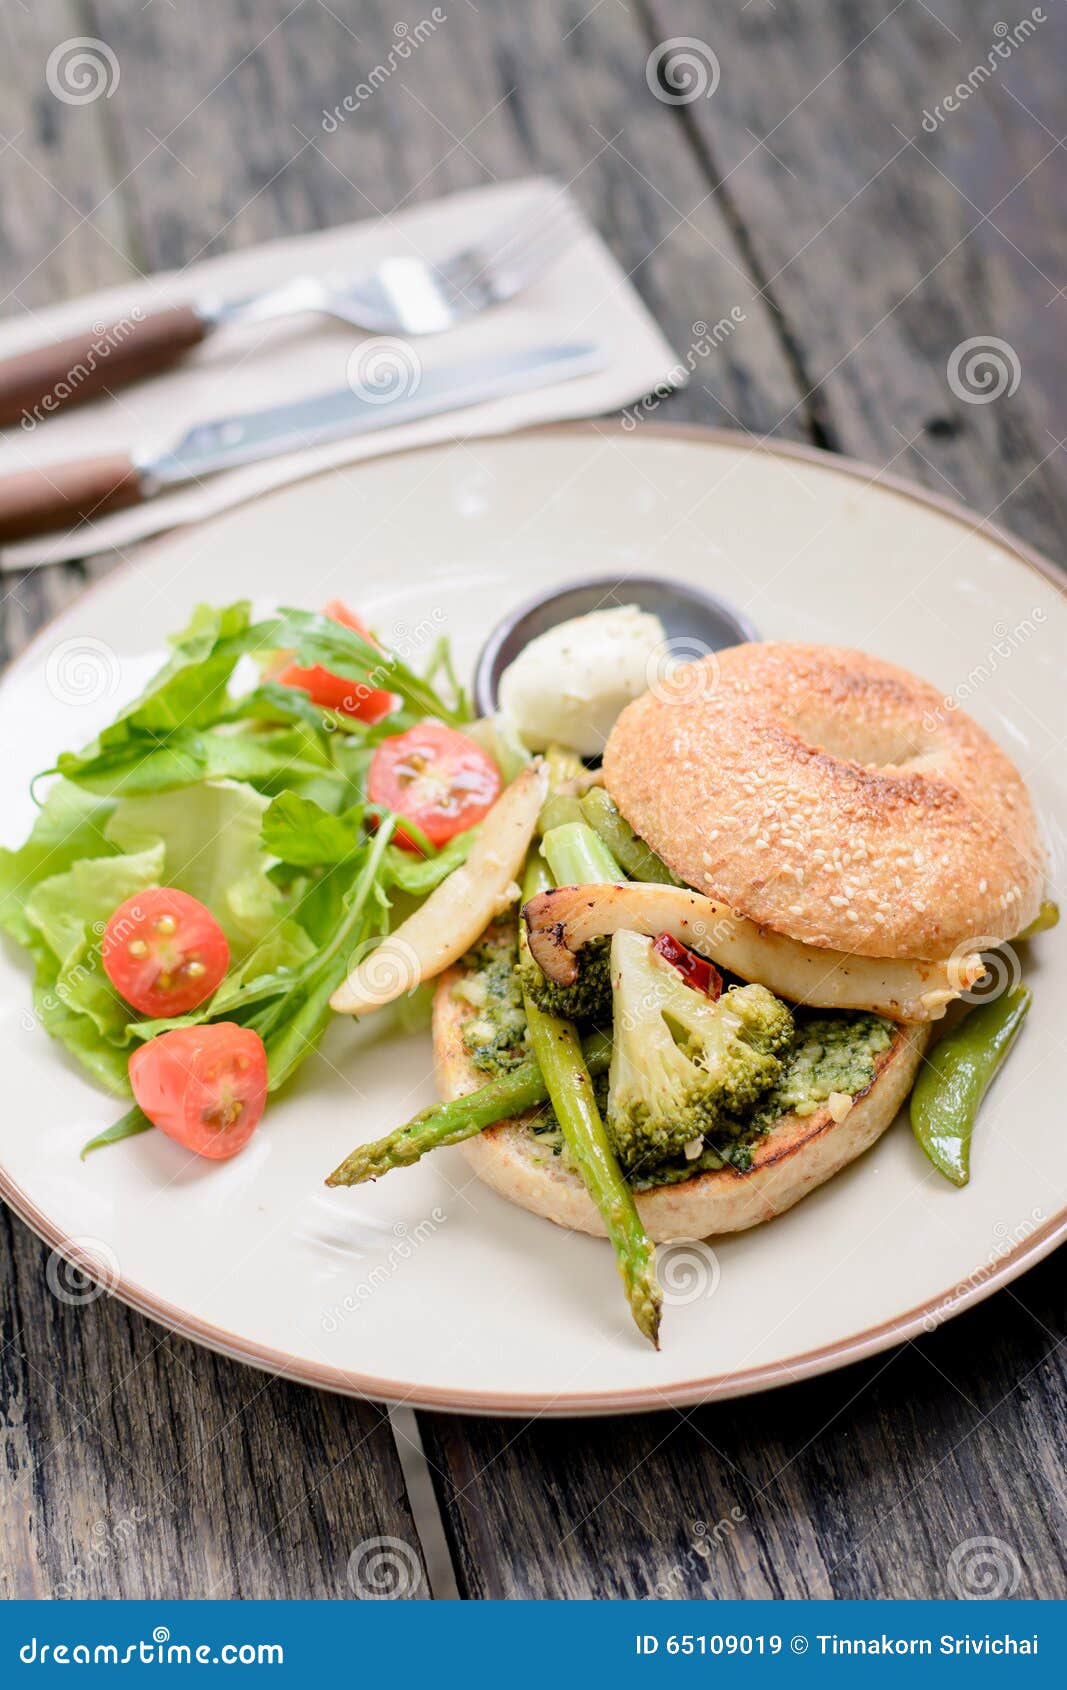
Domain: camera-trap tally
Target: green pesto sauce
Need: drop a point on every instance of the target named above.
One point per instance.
(495, 1035)
(831, 1051)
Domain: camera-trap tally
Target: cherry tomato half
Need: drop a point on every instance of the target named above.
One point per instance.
(334, 692)
(204, 1086)
(695, 970)
(164, 952)
(437, 777)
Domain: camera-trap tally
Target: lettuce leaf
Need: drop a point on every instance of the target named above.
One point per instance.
(210, 838)
(73, 998)
(204, 840)
(69, 825)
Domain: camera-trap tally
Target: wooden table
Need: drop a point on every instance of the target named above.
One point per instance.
(864, 244)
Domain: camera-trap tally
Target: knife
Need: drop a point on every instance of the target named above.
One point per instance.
(58, 495)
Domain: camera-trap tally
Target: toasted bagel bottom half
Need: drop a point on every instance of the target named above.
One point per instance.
(796, 1155)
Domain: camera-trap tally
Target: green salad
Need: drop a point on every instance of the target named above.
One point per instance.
(252, 802)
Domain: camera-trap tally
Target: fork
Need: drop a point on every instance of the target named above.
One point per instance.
(400, 295)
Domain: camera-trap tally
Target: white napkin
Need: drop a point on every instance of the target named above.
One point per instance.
(584, 296)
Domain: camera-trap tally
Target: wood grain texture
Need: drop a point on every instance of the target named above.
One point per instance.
(862, 1484)
(141, 1466)
(65, 227)
(885, 247)
(498, 91)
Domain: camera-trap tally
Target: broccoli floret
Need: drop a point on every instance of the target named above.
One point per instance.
(587, 999)
(683, 1067)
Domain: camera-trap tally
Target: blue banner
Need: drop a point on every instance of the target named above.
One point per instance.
(534, 1643)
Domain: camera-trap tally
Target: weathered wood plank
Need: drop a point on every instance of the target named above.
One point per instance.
(886, 246)
(64, 230)
(493, 92)
(140, 1466)
(859, 1485)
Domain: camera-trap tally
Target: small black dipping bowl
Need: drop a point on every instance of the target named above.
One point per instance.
(695, 620)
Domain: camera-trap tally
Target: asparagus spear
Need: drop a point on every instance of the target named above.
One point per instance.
(578, 857)
(463, 1117)
(557, 1047)
(576, 854)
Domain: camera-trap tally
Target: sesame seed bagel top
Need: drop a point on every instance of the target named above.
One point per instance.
(832, 797)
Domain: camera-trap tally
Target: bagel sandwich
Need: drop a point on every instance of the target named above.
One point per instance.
(829, 831)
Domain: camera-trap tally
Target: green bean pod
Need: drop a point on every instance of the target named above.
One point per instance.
(956, 1076)
(1048, 916)
(638, 859)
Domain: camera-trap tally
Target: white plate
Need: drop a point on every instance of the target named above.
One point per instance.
(426, 1287)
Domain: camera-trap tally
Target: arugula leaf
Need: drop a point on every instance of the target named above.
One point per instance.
(316, 639)
(272, 968)
(293, 1026)
(188, 692)
(271, 702)
(127, 1126)
(301, 832)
